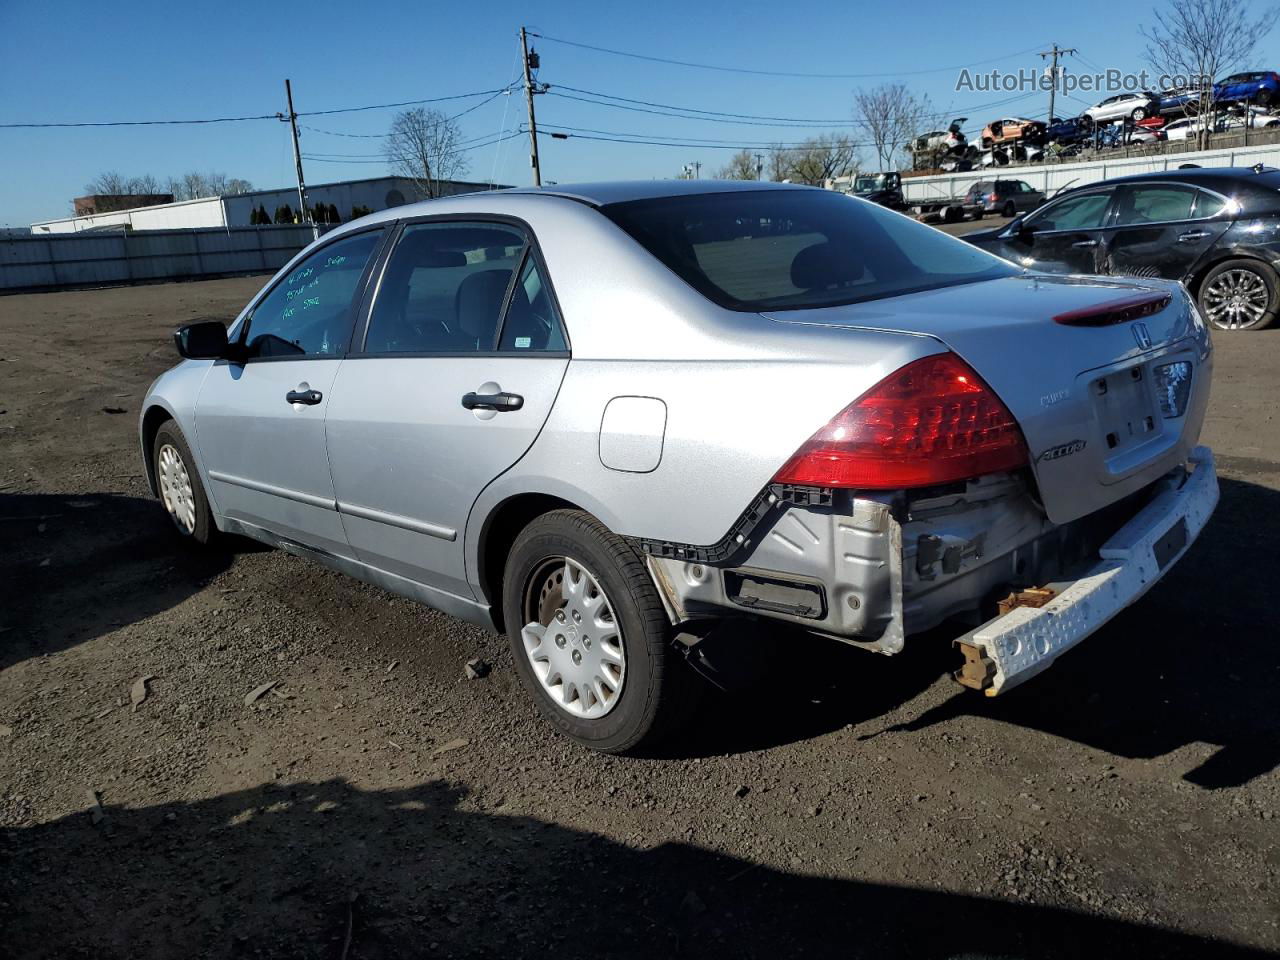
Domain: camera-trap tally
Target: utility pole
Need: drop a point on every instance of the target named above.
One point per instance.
(697, 169)
(759, 166)
(531, 63)
(297, 161)
(1053, 87)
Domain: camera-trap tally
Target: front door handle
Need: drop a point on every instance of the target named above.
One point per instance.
(1085, 243)
(492, 401)
(309, 397)
(1193, 235)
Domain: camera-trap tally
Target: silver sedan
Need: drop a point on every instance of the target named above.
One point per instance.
(615, 421)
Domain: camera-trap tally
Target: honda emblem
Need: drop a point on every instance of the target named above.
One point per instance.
(1142, 335)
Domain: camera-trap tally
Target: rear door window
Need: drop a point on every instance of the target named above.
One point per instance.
(447, 286)
(1209, 204)
(1155, 203)
(444, 288)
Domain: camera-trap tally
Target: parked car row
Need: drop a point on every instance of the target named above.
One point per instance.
(1215, 230)
(1253, 89)
(1156, 129)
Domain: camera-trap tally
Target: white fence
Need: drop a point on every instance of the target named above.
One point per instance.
(57, 261)
(1051, 177)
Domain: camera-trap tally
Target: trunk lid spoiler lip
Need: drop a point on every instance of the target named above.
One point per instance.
(1115, 311)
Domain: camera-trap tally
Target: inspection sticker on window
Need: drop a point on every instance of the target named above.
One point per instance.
(522, 343)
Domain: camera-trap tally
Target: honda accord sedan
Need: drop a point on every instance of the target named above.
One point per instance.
(1217, 230)
(617, 421)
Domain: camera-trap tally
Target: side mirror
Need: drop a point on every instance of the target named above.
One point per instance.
(202, 341)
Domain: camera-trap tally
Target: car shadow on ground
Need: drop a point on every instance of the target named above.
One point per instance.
(328, 870)
(76, 566)
(1195, 661)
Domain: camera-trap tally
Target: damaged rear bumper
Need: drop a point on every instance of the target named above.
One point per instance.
(1011, 648)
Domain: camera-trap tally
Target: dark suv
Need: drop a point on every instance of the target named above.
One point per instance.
(1217, 230)
(1005, 197)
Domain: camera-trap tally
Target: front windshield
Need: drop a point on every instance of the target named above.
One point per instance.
(793, 249)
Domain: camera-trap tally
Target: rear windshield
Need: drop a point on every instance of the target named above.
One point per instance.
(796, 249)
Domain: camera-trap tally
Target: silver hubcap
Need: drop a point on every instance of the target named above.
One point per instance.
(175, 488)
(575, 647)
(1236, 299)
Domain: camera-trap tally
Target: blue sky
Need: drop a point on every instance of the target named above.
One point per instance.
(130, 60)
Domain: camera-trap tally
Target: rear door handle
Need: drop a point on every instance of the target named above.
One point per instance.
(309, 397)
(1193, 235)
(1085, 243)
(492, 401)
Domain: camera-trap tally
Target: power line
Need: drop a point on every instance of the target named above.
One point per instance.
(669, 106)
(492, 94)
(710, 116)
(384, 160)
(138, 123)
(693, 141)
(406, 103)
(488, 138)
(781, 73)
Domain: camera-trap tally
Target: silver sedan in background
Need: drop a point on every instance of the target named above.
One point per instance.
(615, 421)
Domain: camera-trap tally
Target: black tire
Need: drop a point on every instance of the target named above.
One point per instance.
(202, 530)
(1255, 267)
(1009, 209)
(658, 688)
(1139, 113)
(978, 213)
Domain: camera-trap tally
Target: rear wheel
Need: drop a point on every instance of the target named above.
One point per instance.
(1240, 295)
(1009, 209)
(589, 635)
(178, 482)
(1139, 113)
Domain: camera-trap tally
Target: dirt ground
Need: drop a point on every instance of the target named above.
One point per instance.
(377, 804)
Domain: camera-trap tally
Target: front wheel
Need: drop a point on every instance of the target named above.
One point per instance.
(1139, 113)
(178, 482)
(1240, 295)
(589, 635)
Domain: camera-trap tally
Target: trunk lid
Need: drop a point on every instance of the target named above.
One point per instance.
(1093, 401)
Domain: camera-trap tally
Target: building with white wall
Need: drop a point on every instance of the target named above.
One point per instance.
(376, 193)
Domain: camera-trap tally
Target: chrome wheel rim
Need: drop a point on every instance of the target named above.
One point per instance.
(573, 640)
(1236, 299)
(175, 488)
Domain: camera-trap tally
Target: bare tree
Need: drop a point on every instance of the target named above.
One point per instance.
(1203, 39)
(818, 159)
(194, 185)
(112, 182)
(779, 162)
(424, 146)
(189, 186)
(891, 115)
(741, 166)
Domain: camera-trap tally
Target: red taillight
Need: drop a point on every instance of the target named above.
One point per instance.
(994, 198)
(934, 421)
